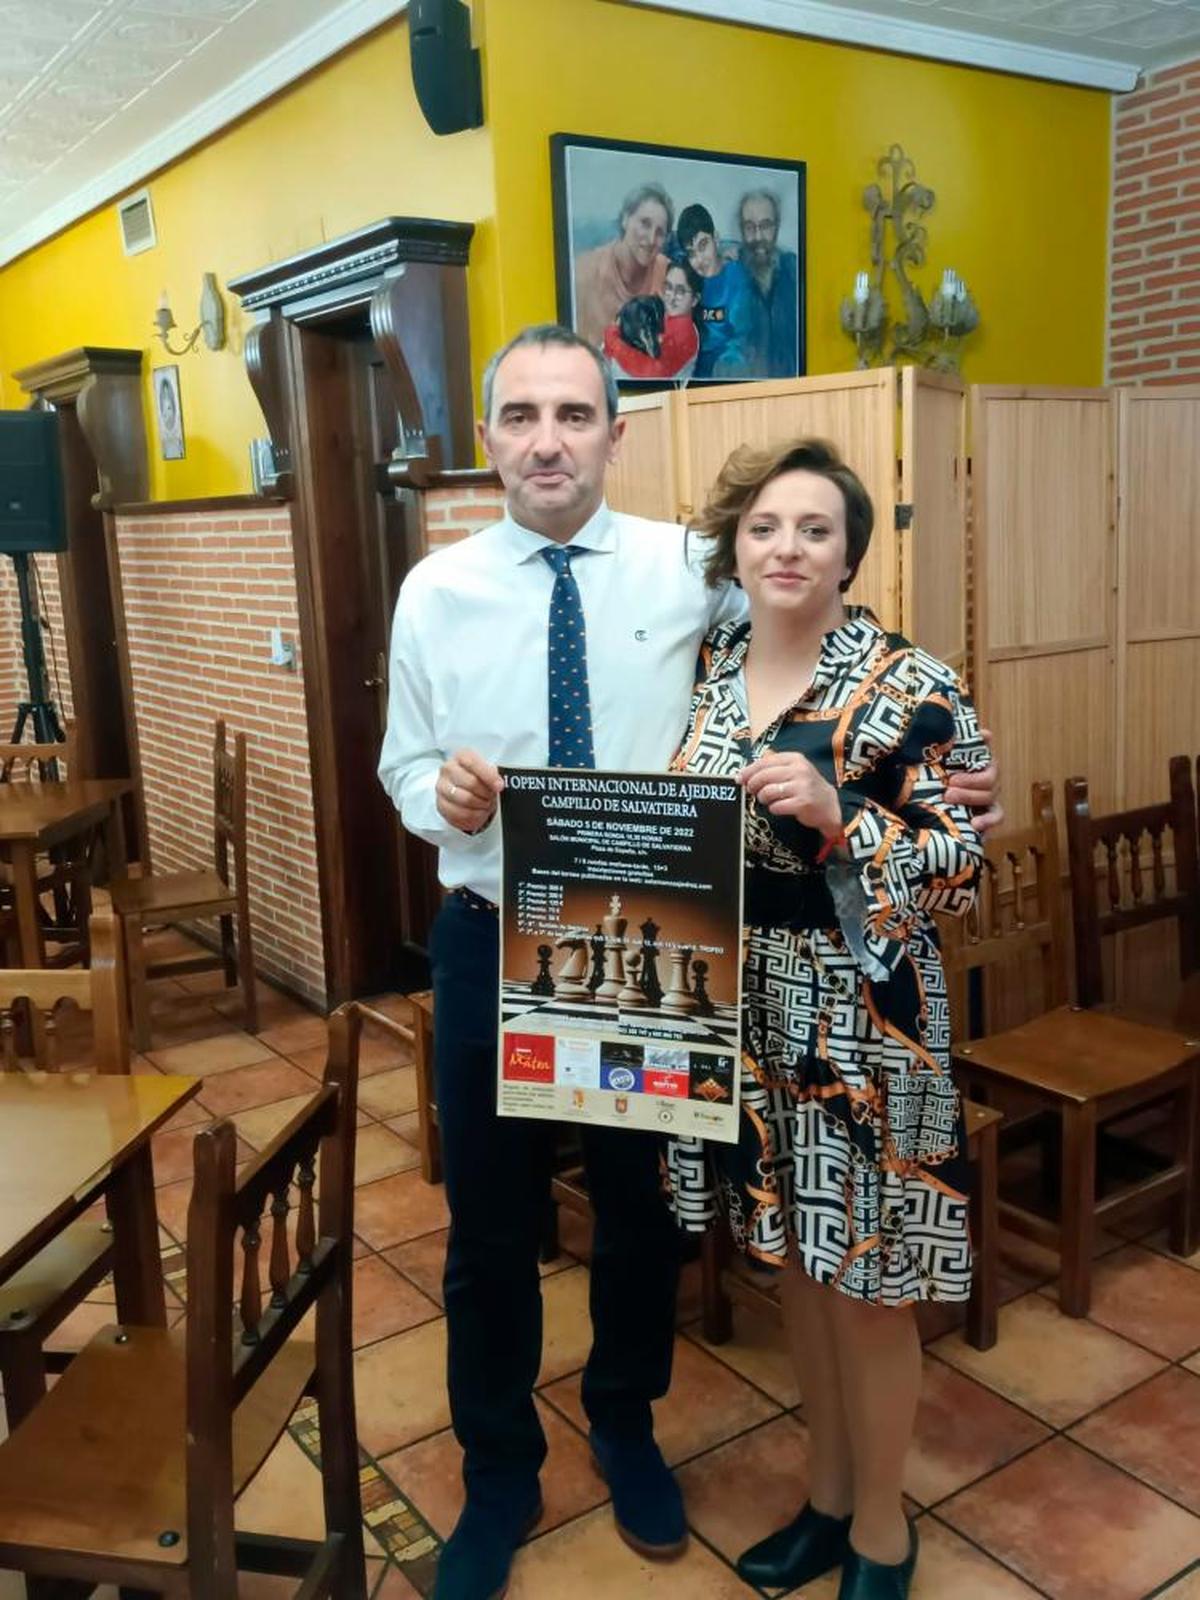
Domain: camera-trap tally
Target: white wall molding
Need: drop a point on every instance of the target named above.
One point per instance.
(341, 27)
(821, 19)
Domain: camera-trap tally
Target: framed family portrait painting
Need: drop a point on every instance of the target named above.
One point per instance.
(681, 265)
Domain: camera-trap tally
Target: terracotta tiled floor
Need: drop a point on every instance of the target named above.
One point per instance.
(1064, 1463)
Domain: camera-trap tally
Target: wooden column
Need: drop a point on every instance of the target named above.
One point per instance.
(97, 394)
(361, 365)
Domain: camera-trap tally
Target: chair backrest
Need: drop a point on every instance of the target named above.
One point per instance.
(1018, 910)
(229, 803)
(1133, 881)
(227, 1356)
(30, 763)
(42, 997)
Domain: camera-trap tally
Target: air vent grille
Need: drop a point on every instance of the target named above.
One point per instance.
(137, 223)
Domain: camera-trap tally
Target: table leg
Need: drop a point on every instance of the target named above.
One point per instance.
(137, 1264)
(23, 858)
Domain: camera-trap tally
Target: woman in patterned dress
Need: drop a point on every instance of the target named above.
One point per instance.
(849, 1176)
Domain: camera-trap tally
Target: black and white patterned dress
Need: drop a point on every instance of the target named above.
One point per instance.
(851, 1140)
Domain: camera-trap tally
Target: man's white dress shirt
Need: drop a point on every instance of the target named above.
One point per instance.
(468, 663)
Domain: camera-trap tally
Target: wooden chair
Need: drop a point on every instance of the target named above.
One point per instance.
(419, 1034)
(128, 1471)
(1084, 1068)
(65, 875)
(181, 896)
(37, 1298)
(1133, 889)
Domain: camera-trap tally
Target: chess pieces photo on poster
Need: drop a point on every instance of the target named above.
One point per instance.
(621, 949)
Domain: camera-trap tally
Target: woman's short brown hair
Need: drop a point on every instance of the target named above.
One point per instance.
(746, 474)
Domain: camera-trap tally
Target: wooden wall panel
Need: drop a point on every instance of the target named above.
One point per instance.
(933, 552)
(642, 480)
(1163, 699)
(1044, 470)
(1052, 719)
(1160, 511)
(856, 411)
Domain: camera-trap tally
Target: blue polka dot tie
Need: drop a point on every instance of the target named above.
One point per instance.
(570, 721)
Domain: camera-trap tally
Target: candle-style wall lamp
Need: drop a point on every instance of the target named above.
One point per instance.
(211, 324)
(931, 334)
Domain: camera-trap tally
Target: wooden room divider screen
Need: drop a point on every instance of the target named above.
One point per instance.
(1045, 542)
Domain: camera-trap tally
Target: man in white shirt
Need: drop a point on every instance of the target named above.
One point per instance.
(476, 655)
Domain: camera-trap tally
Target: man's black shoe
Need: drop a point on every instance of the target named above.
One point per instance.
(647, 1504)
(478, 1555)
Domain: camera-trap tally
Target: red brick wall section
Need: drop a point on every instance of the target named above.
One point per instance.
(451, 514)
(1154, 323)
(202, 592)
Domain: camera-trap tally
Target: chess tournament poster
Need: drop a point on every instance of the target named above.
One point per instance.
(620, 956)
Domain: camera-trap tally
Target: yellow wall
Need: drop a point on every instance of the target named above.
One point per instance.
(348, 145)
(1020, 169)
(339, 150)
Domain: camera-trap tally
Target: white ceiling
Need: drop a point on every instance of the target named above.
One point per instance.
(97, 94)
(1104, 44)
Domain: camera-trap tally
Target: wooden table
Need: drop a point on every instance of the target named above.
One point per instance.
(36, 816)
(66, 1139)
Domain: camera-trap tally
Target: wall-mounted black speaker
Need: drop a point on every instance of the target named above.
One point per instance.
(445, 69)
(31, 483)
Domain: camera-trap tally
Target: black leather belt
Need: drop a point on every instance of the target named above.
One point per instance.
(799, 901)
(476, 902)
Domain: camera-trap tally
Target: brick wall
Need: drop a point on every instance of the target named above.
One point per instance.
(1154, 323)
(451, 513)
(202, 592)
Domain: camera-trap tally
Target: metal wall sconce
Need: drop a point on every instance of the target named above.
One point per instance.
(931, 335)
(211, 324)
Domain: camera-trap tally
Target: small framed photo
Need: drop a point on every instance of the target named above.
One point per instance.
(168, 413)
(681, 265)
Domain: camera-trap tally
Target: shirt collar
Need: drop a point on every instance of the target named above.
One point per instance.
(842, 647)
(599, 532)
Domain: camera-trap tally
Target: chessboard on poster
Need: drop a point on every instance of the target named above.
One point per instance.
(648, 965)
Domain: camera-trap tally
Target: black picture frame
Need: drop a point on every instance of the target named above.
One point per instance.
(749, 323)
(168, 413)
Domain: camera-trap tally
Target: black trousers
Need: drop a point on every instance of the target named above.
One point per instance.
(497, 1172)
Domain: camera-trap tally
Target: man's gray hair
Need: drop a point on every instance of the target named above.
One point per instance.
(540, 336)
(768, 195)
(638, 197)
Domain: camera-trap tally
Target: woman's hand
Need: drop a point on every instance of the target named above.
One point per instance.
(788, 785)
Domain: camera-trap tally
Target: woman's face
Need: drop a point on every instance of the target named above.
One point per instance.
(791, 548)
(645, 232)
(677, 294)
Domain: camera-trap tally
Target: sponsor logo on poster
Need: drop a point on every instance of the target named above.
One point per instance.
(529, 1058)
(668, 1057)
(578, 1099)
(712, 1078)
(621, 1104)
(619, 1077)
(577, 1061)
(670, 1085)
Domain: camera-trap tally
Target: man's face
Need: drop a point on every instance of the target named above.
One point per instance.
(549, 437)
(704, 255)
(646, 232)
(760, 231)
